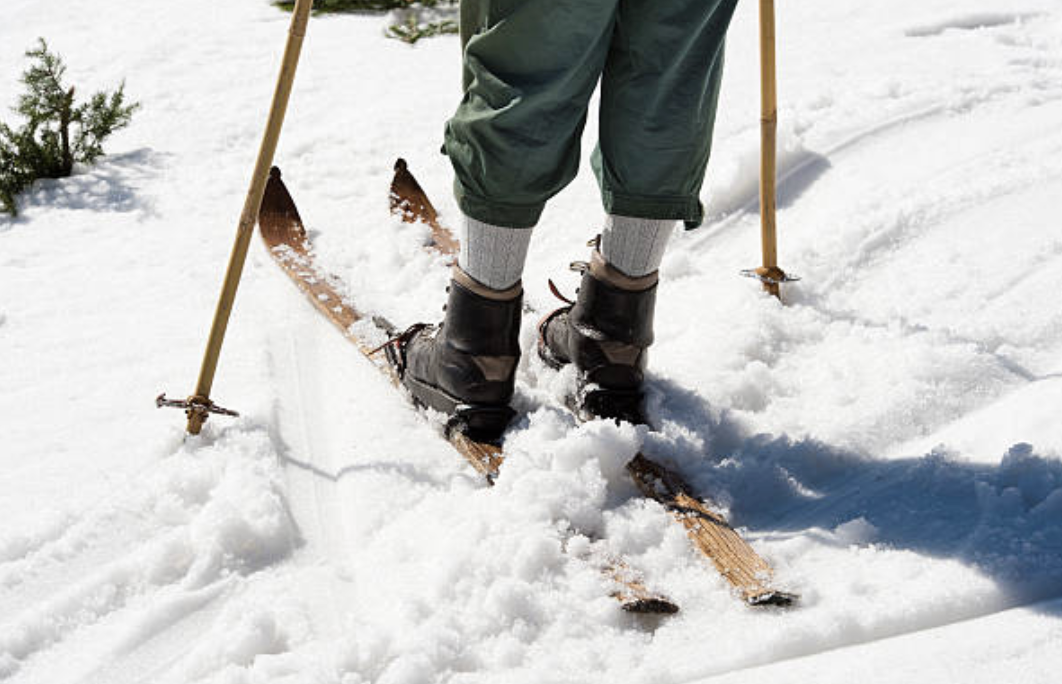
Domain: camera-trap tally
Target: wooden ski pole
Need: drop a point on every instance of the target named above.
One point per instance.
(199, 405)
(769, 273)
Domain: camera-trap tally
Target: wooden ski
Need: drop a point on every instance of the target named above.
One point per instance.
(285, 237)
(746, 571)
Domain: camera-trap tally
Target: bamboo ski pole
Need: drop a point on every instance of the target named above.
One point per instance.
(769, 273)
(768, 140)
(199, 406)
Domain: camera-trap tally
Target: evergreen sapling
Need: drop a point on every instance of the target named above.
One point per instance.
(57, 133)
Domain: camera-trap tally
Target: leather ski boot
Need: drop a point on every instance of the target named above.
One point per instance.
(465, 366)
(606, 333)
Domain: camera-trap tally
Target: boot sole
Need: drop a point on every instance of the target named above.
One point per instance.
(479, 422)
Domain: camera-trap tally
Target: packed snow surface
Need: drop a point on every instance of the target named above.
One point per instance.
(889, 438)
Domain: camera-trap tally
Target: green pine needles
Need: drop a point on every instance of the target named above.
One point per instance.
(325, 6)
(57, 133)
(413, 28)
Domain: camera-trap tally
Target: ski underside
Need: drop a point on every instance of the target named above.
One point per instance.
(285, 237)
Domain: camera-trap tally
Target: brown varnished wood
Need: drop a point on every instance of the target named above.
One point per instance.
(768, 153)
(285, 237)
(409, 201)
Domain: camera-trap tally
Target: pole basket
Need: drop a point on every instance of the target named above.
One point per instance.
(770, 275)
(196, 408)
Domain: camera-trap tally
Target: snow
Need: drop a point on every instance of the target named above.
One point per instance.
(888, 438)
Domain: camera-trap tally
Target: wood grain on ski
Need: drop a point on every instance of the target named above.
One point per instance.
(285, 237)
(710, 533)
(631, 592)
(409, 201)
(282, 230)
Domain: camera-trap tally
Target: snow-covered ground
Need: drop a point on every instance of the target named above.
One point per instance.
(890, 438)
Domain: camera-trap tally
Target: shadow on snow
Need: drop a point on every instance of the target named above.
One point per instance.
(1004, 519)
(111, 185)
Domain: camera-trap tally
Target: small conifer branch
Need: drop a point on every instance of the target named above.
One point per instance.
(57, 133)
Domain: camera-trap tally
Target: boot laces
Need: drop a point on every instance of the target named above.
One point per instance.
(402, 338)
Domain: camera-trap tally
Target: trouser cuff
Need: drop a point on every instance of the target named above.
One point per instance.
(686, 209)
(497, 213)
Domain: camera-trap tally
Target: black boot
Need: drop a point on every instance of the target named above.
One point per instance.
(606, 333)
(466, 366)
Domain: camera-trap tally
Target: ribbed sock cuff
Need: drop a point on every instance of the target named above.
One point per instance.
(493, 255)
(635, 246)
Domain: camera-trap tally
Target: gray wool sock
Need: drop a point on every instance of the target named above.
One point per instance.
(493, 255)
(635, 246)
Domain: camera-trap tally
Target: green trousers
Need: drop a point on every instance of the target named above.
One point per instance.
(530, 68)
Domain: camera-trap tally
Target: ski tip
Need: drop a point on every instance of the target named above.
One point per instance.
(780, 599)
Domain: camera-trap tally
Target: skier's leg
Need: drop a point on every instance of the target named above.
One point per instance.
(658, 97)
(659, 92)
(635, 246)
(492, 255)
(530, 67)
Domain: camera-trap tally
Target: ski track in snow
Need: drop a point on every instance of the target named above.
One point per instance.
(888, 439)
